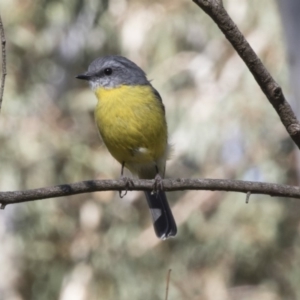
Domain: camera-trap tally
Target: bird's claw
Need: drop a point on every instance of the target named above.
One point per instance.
(128, 183)
(158, 184)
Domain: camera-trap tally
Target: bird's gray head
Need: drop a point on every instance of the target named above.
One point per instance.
(112, 71)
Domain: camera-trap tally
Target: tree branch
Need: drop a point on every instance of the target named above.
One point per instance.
(3, 43)
(216, 10)
(179, 184)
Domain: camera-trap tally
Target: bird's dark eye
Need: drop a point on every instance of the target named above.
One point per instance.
(108, 71)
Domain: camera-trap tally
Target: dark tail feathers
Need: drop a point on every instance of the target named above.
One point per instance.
(163, 220)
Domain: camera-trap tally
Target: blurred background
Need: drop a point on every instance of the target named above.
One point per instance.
(98, 246)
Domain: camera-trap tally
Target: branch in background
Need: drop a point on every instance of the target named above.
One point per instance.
(180, 184)
(3, 43)
(215, 9)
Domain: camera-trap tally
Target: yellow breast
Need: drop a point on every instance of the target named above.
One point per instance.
(132, 123)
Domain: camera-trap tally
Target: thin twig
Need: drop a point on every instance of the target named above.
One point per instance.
(216, 10)
(248, 197)
(3, 43)
(168, 282)
(180, 184)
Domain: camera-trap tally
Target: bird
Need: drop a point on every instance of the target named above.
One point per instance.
(130, 117)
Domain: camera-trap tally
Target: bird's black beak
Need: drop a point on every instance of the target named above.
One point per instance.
(83, 76)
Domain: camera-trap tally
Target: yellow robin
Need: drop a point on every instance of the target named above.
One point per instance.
(131, 120)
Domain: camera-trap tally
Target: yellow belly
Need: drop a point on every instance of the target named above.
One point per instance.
(132, 123)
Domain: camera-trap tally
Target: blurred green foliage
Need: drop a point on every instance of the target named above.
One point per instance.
(97, 246)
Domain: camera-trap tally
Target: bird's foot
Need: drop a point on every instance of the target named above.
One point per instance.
(128, 183)
(158, 184)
